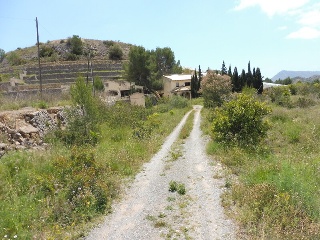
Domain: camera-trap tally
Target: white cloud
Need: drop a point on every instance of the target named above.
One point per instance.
(282, 28)
(310, 18)
(272, 7)
(305, 33)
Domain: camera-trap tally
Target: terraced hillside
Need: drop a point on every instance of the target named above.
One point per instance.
(67, 72)
(56, 69)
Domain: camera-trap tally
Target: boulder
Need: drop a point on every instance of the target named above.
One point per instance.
(28, 129)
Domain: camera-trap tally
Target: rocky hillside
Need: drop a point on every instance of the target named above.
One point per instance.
(60, 65)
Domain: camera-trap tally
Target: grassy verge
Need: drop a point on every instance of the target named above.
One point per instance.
(187, 128)
(57, 194)
(276, 194)
(48, 100)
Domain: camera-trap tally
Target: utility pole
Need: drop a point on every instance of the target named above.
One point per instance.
(89, 56)
(39, 59)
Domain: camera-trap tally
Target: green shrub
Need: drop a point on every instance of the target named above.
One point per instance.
(178, 102)
(76, 45)
(280, 96)
(15, 59)
(71, 57)
(46, 51)
(108, 43)
(143, 129)
(303, 102)
(115, 52)
(240, 121)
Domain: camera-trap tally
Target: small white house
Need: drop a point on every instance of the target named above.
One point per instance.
(177, 84)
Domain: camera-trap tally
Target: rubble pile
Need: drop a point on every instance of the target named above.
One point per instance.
(26, 128)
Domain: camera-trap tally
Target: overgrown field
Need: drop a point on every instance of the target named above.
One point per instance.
(275, 185)
(59, 193)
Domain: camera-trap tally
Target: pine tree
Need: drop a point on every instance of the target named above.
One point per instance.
(223, 69)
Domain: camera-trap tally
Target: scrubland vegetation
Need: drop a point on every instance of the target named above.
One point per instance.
(273, 175)
(58, 193)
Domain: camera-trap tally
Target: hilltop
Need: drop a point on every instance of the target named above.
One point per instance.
(62, 61)
(58, 50)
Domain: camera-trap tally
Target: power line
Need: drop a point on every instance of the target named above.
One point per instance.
(13, 18)
(46, 30)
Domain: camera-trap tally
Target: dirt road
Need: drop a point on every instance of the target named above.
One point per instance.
(150, 211)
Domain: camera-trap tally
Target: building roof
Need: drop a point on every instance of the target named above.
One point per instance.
(267, 85)
(179, 77)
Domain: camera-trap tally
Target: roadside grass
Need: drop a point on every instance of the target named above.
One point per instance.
(187, 128)
(48, 100)
(276, 192)
(62, 192)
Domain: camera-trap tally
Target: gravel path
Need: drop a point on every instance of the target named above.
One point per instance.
(150, 211)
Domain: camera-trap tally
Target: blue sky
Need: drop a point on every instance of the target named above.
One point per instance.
(274, 35)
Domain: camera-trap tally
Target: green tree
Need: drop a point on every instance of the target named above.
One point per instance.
(286, 81)
(75, 44)
(229, 71)
(98, 84)
(268, 80)
(258, 81)
(199, 78)
(223, 69)
(243, 78)
(137, 69)
(84, 117)
(177, 68)
(236, 84)
(194, 85)
(146, 68)
(2, 55)
(115, 52)
(249, 77)
(215, 89)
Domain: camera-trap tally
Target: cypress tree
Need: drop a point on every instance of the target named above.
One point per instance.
(259, 81)
(254, 84)
(243, 79)
(229, 71)
(249, 77)
(194, 85)
(199, 80)
(223, 69)
(236, 84)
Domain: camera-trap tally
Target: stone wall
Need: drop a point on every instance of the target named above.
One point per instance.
(26, 128)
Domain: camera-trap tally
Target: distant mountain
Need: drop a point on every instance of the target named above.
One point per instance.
(295, 74)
